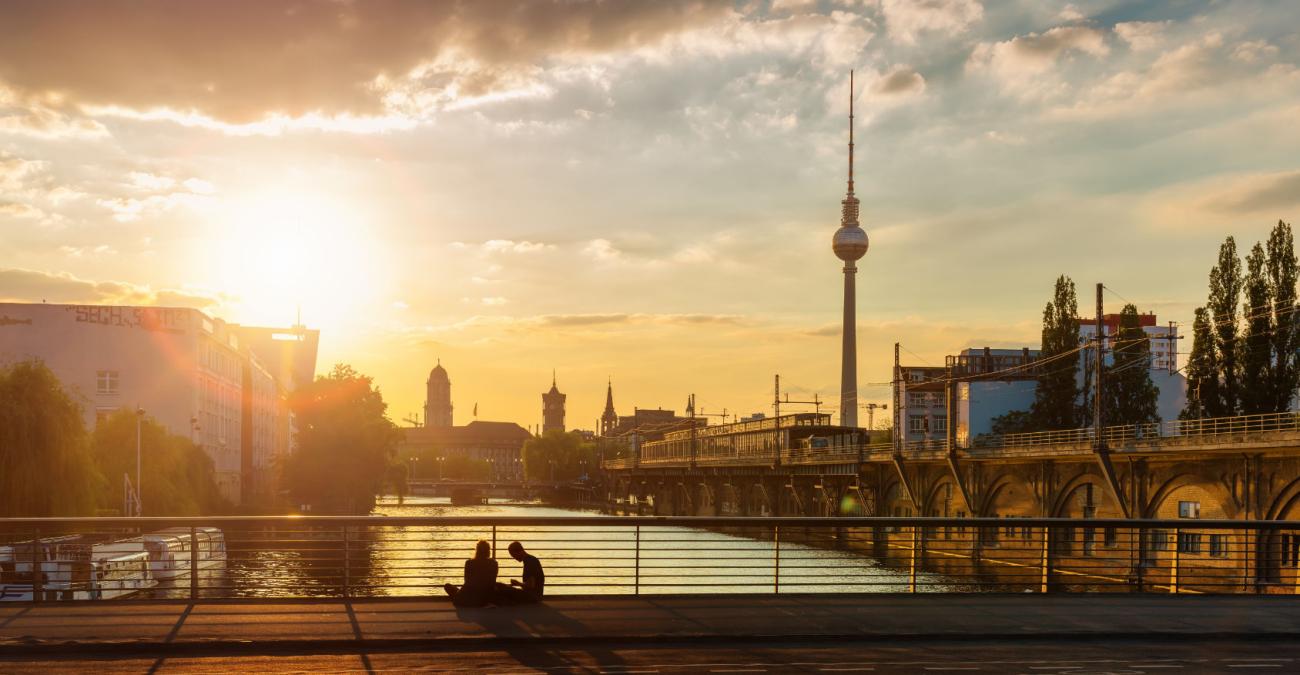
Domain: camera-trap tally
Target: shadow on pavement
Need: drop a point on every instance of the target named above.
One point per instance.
(538, 621)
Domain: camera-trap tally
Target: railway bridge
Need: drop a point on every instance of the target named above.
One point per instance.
(1244, 467)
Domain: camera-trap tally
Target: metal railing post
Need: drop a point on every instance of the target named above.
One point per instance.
(911, 571)
(494, 541)
(347, 564)
(194, 562)
(636, 569)
(1045, 560)
(1173, 567)
(776, 562)
(38, 585)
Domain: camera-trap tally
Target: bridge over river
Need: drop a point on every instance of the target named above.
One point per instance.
(1233, 468)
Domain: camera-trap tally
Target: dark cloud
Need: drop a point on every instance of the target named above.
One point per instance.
(1277, 191)
(35, 286)
(901, 81)
(239, 60)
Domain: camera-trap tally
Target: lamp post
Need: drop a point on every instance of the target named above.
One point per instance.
(139, 479)
(440, 461)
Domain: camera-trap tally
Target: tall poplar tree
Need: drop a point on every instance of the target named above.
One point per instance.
(1056, 399)
(1224, 303)
(1256, 345)
(1284, 375)
(1130, 396)
(1203, 399)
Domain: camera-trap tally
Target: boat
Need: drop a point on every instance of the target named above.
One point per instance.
(170, 551)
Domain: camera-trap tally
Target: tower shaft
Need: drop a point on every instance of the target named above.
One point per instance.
(849, 354)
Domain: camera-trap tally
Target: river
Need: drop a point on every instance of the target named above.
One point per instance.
(415, 561)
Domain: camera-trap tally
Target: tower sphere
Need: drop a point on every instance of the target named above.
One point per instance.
(850, 243)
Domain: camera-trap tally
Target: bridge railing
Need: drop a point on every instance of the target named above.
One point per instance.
(1238, 426)
(104, 560)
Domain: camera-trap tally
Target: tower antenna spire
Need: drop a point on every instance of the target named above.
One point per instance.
(850, 132)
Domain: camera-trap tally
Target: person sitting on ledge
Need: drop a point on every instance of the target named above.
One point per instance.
(480, 579)
(528, 591)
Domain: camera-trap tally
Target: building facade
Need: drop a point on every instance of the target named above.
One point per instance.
(193, 374)
(499, 444)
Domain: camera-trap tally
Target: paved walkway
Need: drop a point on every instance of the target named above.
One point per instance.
(174, 628)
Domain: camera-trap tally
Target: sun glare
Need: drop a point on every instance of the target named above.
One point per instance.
(284, 250)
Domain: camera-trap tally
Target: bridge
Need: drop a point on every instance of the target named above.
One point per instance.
(1245, 467)
(551, 492)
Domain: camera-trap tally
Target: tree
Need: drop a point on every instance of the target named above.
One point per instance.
(1130, 397)
(558, 455)
(45, 469)
(1056, 399)
(1225, 296)
(345, 443)
(178, 476)
(1203, 398)
(1284, 374)
(1256, 344)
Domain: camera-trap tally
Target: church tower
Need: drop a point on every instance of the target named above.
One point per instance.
(609, 418)
(437, 402)
(553, 408)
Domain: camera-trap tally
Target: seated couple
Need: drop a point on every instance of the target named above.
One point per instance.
(481, 587)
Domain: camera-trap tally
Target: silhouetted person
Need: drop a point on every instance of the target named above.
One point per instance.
(480, 579)
(532, 587)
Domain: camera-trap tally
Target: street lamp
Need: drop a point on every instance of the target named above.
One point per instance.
(440, 461)
(139, 480)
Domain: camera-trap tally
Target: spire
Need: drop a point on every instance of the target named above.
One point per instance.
(552, 377)
(849, 213)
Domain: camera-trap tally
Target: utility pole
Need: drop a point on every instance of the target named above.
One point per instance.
(898, 383)
(139, 478)
(776, 421)
(1097, 373)
(691, 405)
(1172, 356)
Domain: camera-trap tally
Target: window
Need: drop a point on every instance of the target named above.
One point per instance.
(1189, 542)
(915, 376)
(940, 425)
(1219, 545)
(1089, 540)
(1159, 540)
(916, 399)
(102, 413)
(1189, 509)
(916, 424)
(106, 382)
(1110, 537)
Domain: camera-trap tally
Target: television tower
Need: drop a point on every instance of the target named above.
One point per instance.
(850, 244)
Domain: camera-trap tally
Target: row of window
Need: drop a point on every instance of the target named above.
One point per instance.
(920, 424)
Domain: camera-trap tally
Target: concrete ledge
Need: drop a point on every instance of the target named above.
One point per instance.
(424, 624)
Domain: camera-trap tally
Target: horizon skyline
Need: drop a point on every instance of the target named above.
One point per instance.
(642, 191)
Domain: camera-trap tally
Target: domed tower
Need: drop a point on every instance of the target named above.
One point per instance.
(437, 401)
(553, 408)
(850, 244)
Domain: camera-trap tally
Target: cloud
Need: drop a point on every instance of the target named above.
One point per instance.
(1142, 36)
(508, 246)
(36, 286)
(243, 61)
(602, 250)
(909, 19)
(1036, 52)
(1261, 193)
(900, 80)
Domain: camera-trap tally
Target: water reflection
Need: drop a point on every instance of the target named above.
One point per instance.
(415, 561)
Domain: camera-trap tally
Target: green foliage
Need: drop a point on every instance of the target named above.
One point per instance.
(1256, 344)
(178, 476)
(345, 443)
(464, 467)
(45, 468)
(1014, 422)
(1225, 295)
(1056, 398)
(1283, 273)
(1203, 399)
(1130, 396)
(559, 455)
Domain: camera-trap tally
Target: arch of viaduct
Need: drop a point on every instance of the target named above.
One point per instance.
(1252, 480)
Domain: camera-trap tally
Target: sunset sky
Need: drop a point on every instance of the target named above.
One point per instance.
(637, 190)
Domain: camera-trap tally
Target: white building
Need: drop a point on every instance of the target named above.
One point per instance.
(190, 372)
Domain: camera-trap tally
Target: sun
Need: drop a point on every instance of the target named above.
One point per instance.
(280, 251)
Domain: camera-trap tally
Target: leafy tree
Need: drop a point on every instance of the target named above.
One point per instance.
(178, 476)
(1056, 399)
(45, 469)
(1225, 296)
(345, 443)
(464, 467)
(559, 455)
(1130, 397)
(1203, 399)
(1284, 375)
(1256, 344)
(1014, 422)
